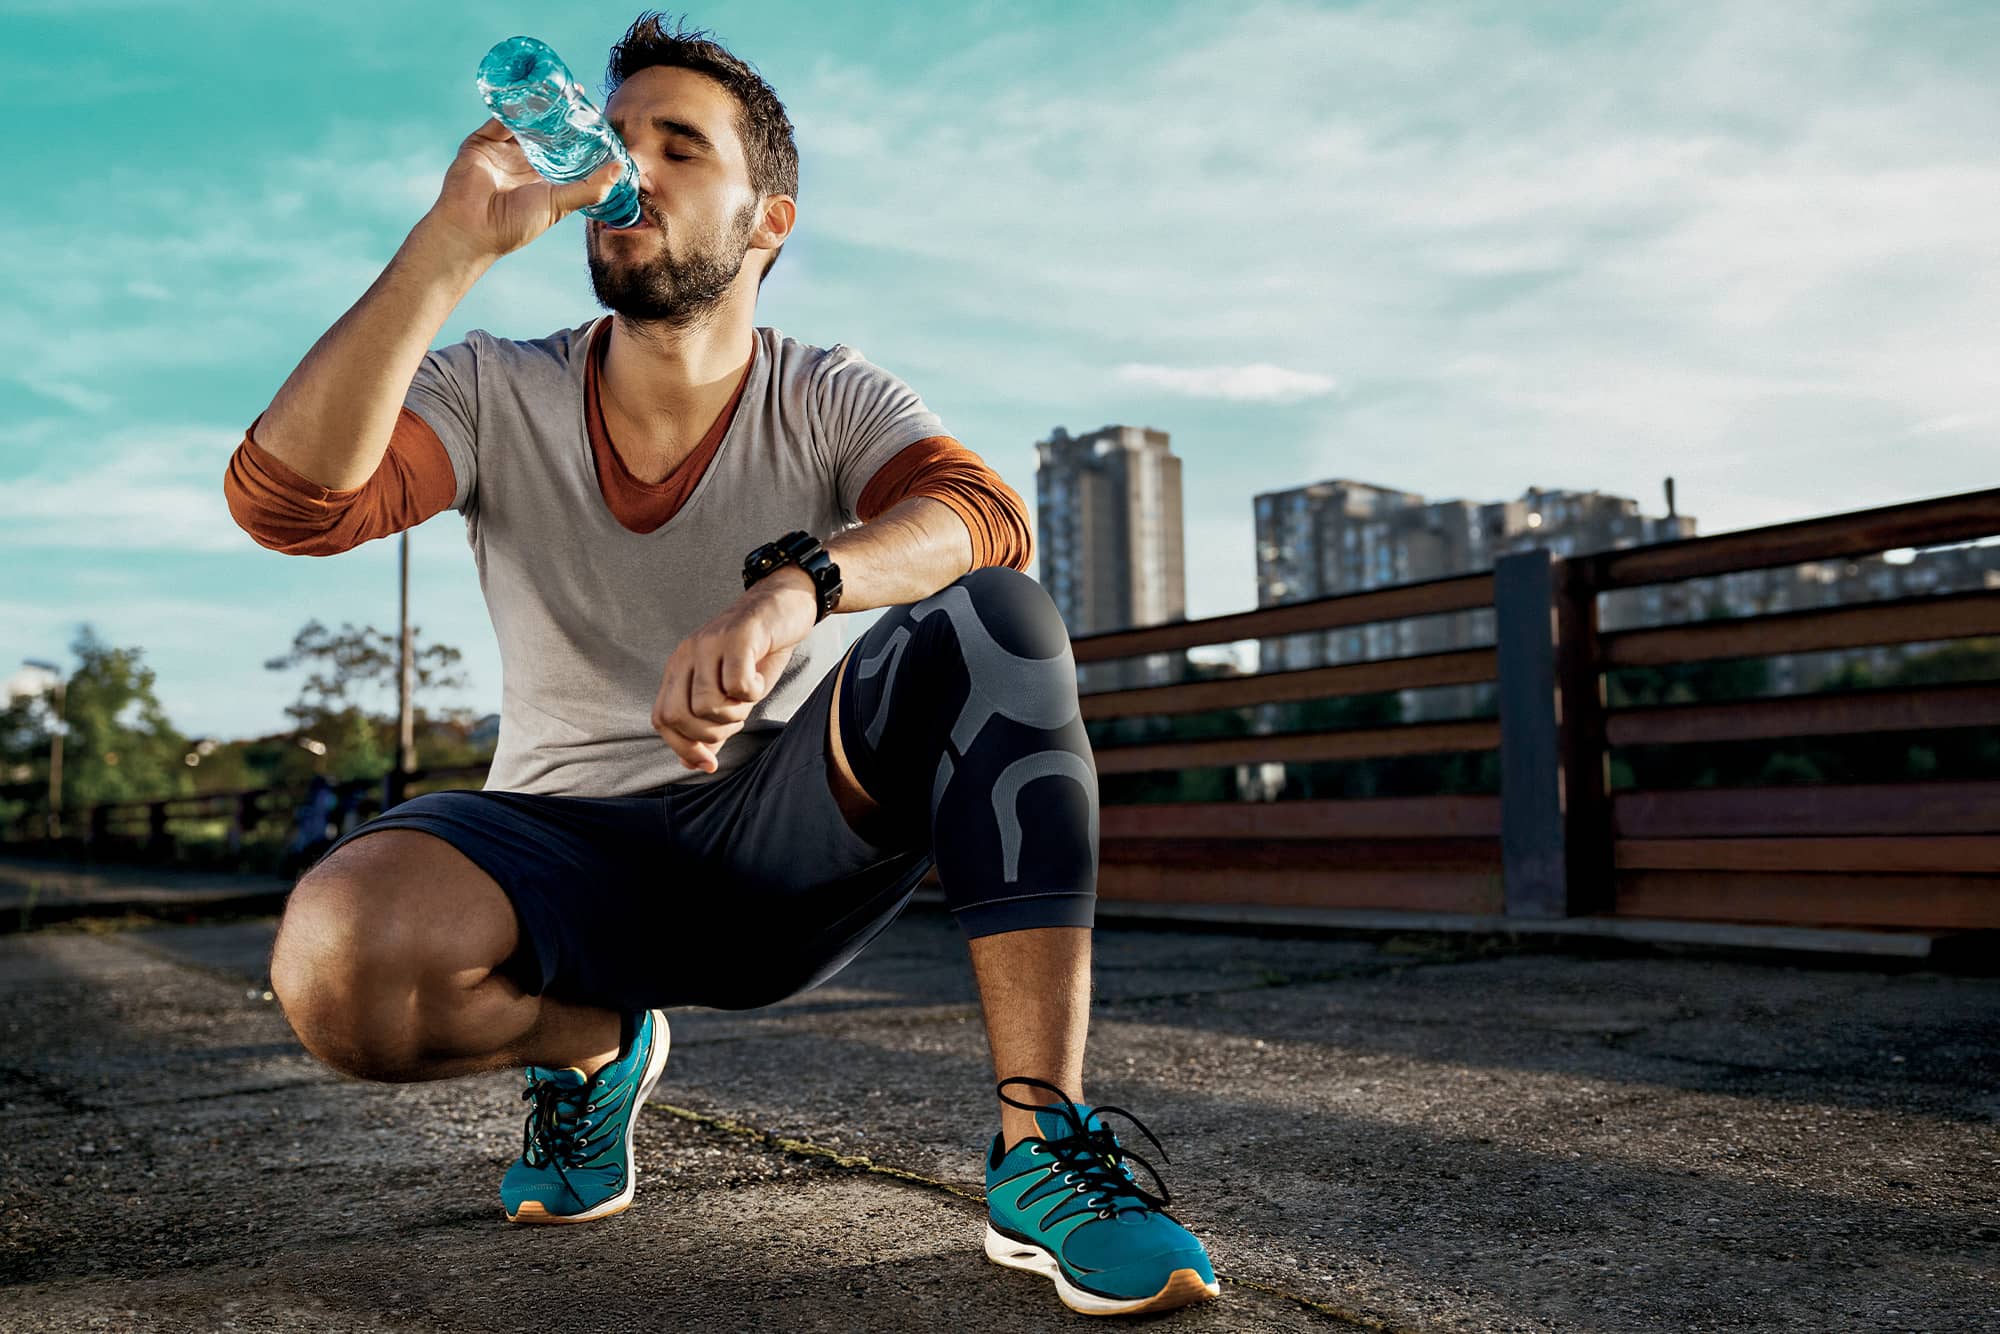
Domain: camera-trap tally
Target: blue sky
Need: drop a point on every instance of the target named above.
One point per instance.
(1459, 249)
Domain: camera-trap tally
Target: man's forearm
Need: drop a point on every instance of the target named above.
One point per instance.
(904, 554)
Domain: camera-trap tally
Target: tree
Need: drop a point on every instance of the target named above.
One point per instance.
(119, 746)
(347, 672)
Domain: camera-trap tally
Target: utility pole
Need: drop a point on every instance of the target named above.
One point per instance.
(406, 680)
(55, 747)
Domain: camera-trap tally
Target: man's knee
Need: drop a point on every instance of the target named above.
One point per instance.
(360, 966)
(1016, 611)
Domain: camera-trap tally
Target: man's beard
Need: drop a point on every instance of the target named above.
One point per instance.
(662, 289)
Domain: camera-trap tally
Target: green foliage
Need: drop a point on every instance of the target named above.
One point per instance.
(1689, 682)
(357, 666)
(226, 768)
(347, 672)
(1959, 661)
(119, 745)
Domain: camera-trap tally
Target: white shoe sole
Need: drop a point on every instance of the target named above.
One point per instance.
(531, 1211)
(1183, 1287)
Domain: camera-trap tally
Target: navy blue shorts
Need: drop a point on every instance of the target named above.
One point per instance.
(733, 892)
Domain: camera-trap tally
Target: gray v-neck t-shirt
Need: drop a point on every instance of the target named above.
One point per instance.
(587, 611)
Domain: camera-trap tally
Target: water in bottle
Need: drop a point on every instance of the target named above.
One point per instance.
(560, 129)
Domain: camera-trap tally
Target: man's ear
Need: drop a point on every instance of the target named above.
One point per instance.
(774, 224)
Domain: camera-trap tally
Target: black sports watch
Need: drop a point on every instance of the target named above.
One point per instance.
(802, 549)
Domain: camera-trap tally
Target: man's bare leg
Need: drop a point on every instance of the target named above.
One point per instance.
(1035, 989)
(387, 966)
(1034, 986)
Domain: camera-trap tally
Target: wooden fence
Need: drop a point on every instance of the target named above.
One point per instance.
(1557, 844)
(157, 830)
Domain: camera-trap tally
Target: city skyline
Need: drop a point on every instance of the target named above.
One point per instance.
(1460, 251)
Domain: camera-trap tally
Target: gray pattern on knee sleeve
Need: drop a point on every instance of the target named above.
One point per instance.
(1040, 692)
(893, 651)
(1018, 775)
(943, 780)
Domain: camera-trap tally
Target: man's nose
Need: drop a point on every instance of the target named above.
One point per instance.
(648, 178)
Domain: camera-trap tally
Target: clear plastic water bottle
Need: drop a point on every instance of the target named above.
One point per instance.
(560, 129)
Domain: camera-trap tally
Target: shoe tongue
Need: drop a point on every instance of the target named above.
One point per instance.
(567, 1077)
(1054, 1122)
(1055, 1125)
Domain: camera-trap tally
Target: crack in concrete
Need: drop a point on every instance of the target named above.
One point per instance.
(890, 1014)
(861, 1163)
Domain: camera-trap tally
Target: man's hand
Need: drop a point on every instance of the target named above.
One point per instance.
(493, 201)
(716, 675)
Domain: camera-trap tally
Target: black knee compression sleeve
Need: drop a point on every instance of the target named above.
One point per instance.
(959, 716)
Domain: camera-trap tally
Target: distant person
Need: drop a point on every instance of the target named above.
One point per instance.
(687, 807)
(315, 829)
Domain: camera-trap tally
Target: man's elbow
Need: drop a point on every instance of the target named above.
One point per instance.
(277, 524)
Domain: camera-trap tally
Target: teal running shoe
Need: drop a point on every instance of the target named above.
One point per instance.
(1067, 1206)
(576, 1148)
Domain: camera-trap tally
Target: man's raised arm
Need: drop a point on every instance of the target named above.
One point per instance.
(332, 419)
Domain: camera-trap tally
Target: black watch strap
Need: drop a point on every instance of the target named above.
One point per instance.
(802, 549)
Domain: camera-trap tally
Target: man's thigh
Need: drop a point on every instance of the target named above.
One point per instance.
(590, 881)
(401, 890)
(773, 828)
(791, 891)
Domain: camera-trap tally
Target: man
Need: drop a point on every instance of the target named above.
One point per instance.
(611, 478)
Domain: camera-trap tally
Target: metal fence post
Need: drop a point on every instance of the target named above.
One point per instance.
(1554, 793)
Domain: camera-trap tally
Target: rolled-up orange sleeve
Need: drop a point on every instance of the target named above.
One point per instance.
(288, 512)
(945, 470)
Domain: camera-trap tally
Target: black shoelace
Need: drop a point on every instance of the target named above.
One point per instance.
(1090, 1158)
(556, 1138)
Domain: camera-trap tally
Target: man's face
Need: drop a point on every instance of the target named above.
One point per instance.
(694, 190)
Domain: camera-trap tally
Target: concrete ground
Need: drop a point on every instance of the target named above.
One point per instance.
(40, 893)
(1406, 1134)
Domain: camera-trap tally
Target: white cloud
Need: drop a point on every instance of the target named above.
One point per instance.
(1259, 383)
(135, 488)
(1955, 421)
(80, 397)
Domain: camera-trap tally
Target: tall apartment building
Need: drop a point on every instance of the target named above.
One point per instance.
(1108, 526)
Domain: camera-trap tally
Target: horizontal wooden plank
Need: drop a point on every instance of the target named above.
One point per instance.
(1940, 902)
(1404, 891)
(1465, 667)
(1433, 597)
(1350, 744)
(1881, 942)
(1832, 713)
(1902, 621)
(1922, 523)
(1371, 817)
(1303, 854)
(1965, 854)
(1849, 808)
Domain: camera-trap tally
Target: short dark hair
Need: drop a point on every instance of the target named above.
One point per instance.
(761, 122)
